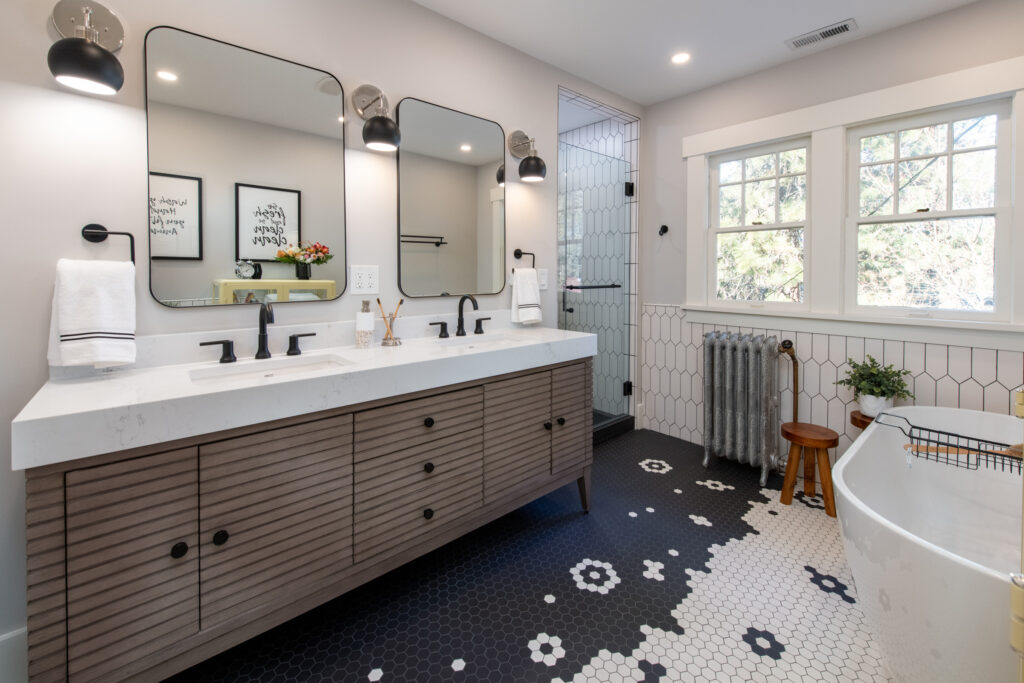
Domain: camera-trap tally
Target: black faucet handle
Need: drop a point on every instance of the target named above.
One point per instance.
(227, 351)
(293, 343)
(444, 329)
(480, 325)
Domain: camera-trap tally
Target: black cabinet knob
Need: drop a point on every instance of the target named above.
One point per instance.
(221, 537)
(560, 421)
(547, 425)
(428, 468)
(179, 549)
(429, 422)
(428, 513)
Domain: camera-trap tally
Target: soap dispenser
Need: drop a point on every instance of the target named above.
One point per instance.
(364, 327)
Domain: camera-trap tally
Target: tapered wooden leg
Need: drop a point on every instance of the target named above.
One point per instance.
(826, 482)
(808, 471)
(584, 486)
(789, 482)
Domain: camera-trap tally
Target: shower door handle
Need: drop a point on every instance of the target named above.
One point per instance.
(567, 309)
(593, 286)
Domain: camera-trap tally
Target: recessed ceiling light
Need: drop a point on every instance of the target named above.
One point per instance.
(465, 148)
(341, 119)
(681, 58)
(167, 75)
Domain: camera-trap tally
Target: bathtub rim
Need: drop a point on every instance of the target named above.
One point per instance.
(842, 489)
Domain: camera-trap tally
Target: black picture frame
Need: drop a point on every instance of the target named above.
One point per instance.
(266, 219)
(175, 217)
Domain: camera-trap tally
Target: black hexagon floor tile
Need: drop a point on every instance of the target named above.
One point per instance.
(650, 585)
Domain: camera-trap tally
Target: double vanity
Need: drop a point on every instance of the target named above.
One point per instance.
(175, 511)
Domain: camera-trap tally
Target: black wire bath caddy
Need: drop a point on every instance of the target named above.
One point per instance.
(950, 448)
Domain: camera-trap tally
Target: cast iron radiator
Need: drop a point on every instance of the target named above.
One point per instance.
(741, 399)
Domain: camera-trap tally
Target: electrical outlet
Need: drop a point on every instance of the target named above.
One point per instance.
(364, 279)
(542, 278)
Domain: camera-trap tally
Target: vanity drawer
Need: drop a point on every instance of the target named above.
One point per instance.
(398, 505)
(275, 512)
(132, 561)
(419, 421)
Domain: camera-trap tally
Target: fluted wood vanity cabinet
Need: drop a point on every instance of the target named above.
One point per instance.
(144, 562)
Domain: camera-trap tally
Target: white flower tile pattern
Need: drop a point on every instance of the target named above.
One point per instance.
(595, 576)
(756, 612)
(672, 375)
(546, 649)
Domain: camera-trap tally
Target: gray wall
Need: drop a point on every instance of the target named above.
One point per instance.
(71, 159)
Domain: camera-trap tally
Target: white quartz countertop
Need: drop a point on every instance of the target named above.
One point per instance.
(76, 418)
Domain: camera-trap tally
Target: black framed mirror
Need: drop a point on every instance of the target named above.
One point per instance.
(451, 207)
(246, 174)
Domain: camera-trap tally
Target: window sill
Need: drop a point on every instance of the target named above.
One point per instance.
(983, 334)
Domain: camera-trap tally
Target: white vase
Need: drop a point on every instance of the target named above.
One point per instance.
(872, 405)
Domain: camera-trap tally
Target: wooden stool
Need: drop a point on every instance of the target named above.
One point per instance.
(814, 442)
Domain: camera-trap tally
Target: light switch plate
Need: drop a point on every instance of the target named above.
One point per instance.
(364, 279)
(542, 278)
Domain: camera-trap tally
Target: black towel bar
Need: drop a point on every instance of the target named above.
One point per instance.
(96, 233)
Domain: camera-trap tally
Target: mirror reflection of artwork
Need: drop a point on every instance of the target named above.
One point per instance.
(231, 115)
(267, 219)
(175, 216)
(451, 207)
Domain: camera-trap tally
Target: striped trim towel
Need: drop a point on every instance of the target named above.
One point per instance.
(525, 297)
(92, 321)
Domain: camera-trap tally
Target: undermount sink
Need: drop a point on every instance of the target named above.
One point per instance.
(471, 341)
(283, 366)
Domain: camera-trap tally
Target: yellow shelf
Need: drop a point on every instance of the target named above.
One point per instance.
(224, 289)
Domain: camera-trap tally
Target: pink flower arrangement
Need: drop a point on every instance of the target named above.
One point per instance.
(313, 254)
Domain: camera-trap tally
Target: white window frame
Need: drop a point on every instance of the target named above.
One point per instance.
(1000, 211)
(714, 230)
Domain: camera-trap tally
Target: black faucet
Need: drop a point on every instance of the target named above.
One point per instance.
(266, 316)
(461, 332)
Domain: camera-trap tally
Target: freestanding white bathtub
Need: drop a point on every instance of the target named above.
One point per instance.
(931, 547)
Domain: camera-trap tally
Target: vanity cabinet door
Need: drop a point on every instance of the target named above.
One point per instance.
(571, 410)
(517, 434)
(275, 512)
(132, 562)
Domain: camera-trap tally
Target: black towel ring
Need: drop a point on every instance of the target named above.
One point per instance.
(96, 233)
(519, 253)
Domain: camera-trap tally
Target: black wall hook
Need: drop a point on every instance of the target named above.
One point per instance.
(663, 230)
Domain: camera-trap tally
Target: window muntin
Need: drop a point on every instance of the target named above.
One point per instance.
(927, 218)
(938, 167)
(759, 218)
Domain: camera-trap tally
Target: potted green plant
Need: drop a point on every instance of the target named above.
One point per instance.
(875, 386)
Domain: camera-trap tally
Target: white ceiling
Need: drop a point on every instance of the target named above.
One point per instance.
(625, 46)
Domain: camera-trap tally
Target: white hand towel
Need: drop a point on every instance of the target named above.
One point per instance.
(525, 297)
(92, 321)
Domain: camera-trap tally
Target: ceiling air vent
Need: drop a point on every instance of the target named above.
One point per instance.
(818, 35)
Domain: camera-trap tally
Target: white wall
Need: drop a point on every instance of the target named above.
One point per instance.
(219, 149)
(976, 34)
(71, 159)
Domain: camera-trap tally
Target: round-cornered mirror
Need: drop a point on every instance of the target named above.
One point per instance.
(451, 208)
(246, 175)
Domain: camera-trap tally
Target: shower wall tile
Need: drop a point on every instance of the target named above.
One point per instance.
(672, 369)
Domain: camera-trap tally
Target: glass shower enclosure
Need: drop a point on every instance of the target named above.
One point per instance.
(593, 271)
